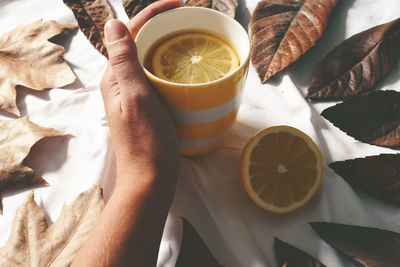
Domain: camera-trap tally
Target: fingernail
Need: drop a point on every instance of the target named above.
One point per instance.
(114, 30)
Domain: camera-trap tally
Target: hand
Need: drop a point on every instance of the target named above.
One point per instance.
(130, 227)
(142, 133)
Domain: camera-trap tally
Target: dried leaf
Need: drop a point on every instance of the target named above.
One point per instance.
(376, 175)
(225, 6)
(372, 118)
(27, 58)
(92, 15)
(16, 139)
(132, 7)
(33, 243)
(357, 64)
(290, 256)
(193, 251)
(281, 31)
(365, 246)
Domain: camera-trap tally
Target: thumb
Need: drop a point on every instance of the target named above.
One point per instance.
(123, 59)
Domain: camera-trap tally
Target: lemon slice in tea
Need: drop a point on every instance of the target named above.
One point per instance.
(192, 58)
(281, 168)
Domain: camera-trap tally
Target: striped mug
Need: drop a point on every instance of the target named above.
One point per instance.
(202, 113)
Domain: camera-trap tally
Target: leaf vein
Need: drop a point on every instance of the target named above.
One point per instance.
(73, 233)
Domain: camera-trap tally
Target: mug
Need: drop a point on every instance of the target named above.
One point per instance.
(202, 113)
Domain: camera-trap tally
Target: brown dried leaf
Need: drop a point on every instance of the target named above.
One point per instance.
(376, 175)
(16, 139)
(290, 256)
(372, 118)
(357, 64)
(225, 6)
(282, 30)
(132, 7)
(365, 246)
(33, 243)
(193, 251)
(92, 15)
(27, 58)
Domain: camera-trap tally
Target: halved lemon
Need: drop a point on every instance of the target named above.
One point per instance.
(195, 57)
(281, 168)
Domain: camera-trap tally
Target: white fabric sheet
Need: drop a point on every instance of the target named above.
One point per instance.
(209, 192)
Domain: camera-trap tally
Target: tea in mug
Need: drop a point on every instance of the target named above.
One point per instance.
(191, 57)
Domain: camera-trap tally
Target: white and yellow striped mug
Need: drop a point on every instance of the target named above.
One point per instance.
(202, 113)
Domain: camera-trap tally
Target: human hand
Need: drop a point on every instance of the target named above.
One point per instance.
(142, 133)
(130, 228)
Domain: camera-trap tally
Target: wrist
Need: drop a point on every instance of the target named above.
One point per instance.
(141, 174)
(144, 187)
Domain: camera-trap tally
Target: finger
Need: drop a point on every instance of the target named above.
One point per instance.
(108, 87)
(150, 11)
(123, 59)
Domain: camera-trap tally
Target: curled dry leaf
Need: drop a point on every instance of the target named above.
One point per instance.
(32, 242)
(365, 246)
(92, 15)
(376, 175)
(290, 256)
(357, 64)
(372, 118)
(193, 251)
(16, 139)
(225, 6)
(27, 58)
(281, 31)
(132, 7)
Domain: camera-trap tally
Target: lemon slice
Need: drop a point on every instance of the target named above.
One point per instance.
(192, 58)
(281, 168)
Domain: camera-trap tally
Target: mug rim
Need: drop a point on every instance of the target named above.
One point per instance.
(218, 13)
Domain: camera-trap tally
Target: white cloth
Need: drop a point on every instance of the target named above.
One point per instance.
(209, 192)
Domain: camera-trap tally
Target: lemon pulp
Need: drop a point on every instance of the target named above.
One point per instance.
(192, 58)
(281, 168)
